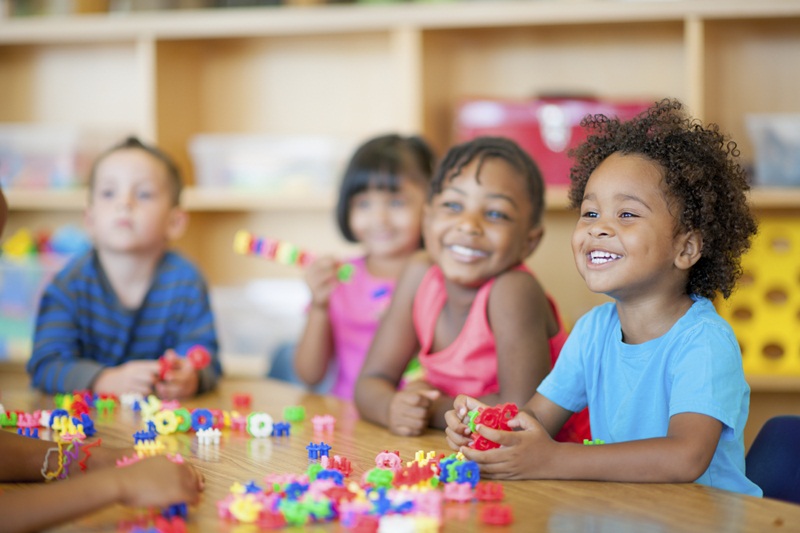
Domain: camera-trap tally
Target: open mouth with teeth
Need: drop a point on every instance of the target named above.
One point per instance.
(599, 257)
(470, 253)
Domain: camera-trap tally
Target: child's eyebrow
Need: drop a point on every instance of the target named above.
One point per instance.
(501, 196)
(634, 198)
(593, 197)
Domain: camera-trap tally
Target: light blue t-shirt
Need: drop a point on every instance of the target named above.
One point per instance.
(632, 390)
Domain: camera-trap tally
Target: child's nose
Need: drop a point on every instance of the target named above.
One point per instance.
(469, 223)
(600, 228)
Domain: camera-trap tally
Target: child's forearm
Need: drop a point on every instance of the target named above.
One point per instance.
(373, 396)
(42, 506)
(660, 460)
(313, 351)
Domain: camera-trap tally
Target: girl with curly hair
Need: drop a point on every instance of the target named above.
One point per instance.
(663, 223)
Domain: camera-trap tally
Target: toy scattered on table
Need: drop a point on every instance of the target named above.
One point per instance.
(496, 417)
(294, 413)
(409, 499)
(595, 442)
(497, 515)
(245, 243)
(259, 425)
(208, 436)
(315, 451)
(242, 401)
(323, 423)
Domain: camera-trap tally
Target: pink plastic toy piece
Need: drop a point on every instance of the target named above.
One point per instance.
(323, 423)
(458, 492)
(389, 460)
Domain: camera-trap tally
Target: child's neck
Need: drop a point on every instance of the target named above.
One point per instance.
(130, 275)
(648, 319)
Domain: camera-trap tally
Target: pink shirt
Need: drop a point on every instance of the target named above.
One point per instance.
(469, 364)
(355, 309)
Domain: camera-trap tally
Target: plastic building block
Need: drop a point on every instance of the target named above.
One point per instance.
(259, 425)
(166, 422)
(283, 252)
(323, 423)
(295, 413)
(458, 492)
(389, 460)
(208, 436)
(488, 491)
(497, 514)
(202, 419)
(281, 429)
(242, 401)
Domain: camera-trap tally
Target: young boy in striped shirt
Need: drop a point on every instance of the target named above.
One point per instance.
(107, 318)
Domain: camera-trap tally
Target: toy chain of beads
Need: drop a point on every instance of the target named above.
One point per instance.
(245, 243)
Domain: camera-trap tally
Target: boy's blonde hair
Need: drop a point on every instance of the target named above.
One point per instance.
(132, 142)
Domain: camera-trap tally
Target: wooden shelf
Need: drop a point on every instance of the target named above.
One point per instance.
(776, 384)
(243, 22)
(209, 199)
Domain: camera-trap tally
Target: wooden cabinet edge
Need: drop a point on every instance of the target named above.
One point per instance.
(208, 199)
(341, 19)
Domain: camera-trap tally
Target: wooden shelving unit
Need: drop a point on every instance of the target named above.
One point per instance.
(353, 71)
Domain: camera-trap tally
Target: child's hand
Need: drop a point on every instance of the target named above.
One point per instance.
(320, 276)
(131, 377)
(457, 430)
(157, 481)
(410, 411)
(181, 379)
(522, 453)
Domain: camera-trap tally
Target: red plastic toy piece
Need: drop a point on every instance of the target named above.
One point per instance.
(497, 514)
(489, 492)
(242, 401)
(199, 357)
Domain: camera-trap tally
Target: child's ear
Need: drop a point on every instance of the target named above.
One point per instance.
(690, 249)
(176, 223)
(534, 238)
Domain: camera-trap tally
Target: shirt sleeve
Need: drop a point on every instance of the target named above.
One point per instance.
(706, 375)
(56, 364)
(197, 328)
(566, 383)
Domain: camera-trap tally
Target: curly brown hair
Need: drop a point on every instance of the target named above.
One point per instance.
(701, 174)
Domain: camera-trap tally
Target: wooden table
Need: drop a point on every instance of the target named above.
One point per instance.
(538, 505)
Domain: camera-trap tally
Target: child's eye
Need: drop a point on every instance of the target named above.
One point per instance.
(451, 206)
(145, 195)
(589, 214)
(360, 203)
(106, 193)
(493, 214)
(627, 214)
(397, 202)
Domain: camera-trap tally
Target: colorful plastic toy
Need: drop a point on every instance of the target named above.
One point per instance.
(245, 243)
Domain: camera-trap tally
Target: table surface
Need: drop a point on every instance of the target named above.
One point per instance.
(537, 505)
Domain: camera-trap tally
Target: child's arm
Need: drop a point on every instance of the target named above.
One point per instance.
(150, 482)
(530, 453)
(519, 315)
(315, 347)
(22, 458)
(195, 328)
(394, 344)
